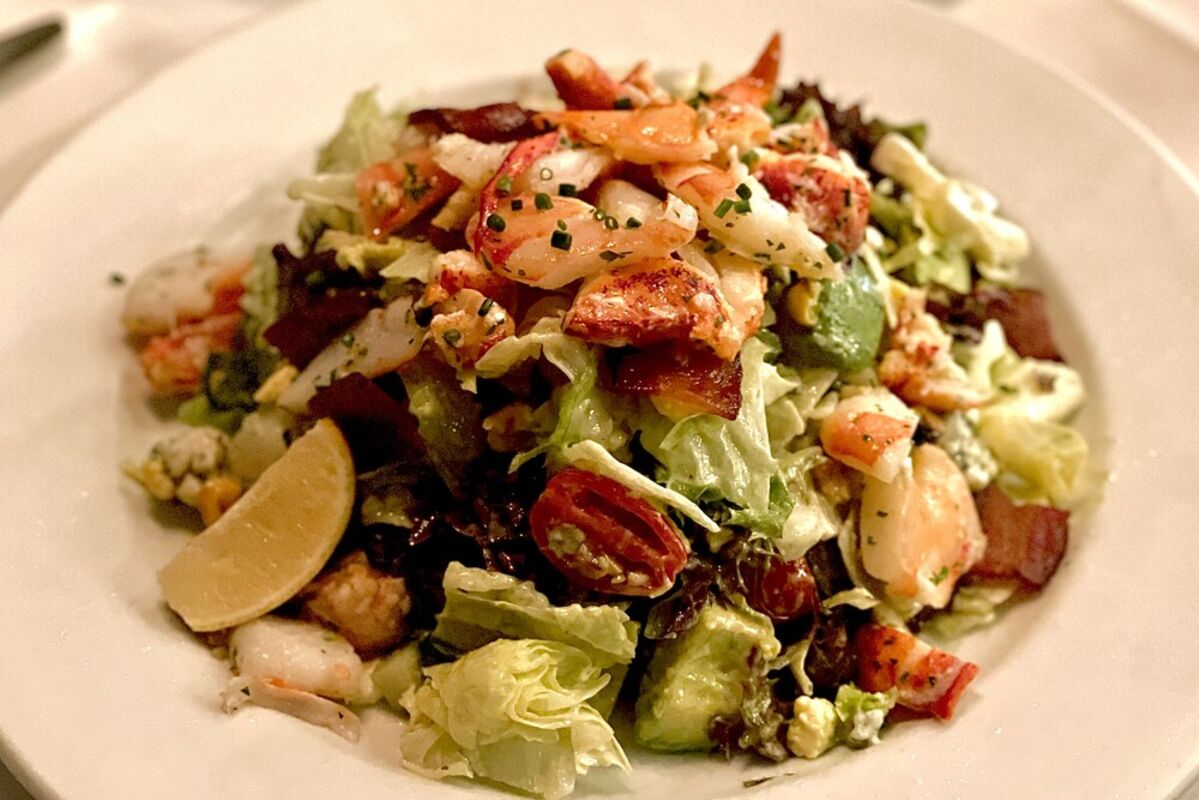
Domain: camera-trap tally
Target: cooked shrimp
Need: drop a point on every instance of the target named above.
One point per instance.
(919, 366)
(737, 116)
(384, 340)
(366, 606)
(654, 300)
(831, 194)
(920, 532)
(393, 193)
(174, 362)
(293, 667)
(467, 325)
(655, 134)
(740, 213)
(186, 287)
(870, 431)
(570, 239)
(584, 84)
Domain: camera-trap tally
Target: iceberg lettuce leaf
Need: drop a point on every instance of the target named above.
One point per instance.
(482, 606)
(514, 711)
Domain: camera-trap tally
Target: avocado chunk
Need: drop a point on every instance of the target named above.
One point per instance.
(699, 676)
(849, 325)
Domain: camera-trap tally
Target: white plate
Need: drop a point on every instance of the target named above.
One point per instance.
(1089, 692)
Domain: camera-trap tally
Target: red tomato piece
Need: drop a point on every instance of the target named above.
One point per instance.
(782, 590)
(604, 537)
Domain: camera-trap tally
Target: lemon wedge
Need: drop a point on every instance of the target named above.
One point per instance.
(273, 540)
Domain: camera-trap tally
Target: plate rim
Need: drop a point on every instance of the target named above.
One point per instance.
(29, 774)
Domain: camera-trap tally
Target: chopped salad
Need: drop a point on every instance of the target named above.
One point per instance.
(719, 404)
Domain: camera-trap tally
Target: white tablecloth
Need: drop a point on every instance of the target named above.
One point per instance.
(1143, 54)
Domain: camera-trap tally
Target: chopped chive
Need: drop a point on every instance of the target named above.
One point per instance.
(561, 224)
(725, 206)
(452, 337)
(567, 189)
(561, 240)
(496, 222)
(632, 222)
(116, 279)
(713, 246)
(609, 255)
(751, 159)
(348, 340)
(611, 223)
(834, 252)
(742, 207)
(546, 174)
(744, 191)
(504, 184)
(543, 201)
(518, 204)
(485, 306)
(623, 103)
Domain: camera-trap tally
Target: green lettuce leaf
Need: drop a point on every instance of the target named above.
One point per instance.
(482, 606)
(546, 337)
(811, 519)
(394, 258)
(367, 135)
(261, 298)
(974, 606)
(711, 457)
(515, 712)
(1049, 457)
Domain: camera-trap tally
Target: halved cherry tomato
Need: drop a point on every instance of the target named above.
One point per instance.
(782, 590)
(604, 537)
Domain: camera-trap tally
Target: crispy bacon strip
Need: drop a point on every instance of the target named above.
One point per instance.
(498, 122)
(690, 380)
(1025, 542)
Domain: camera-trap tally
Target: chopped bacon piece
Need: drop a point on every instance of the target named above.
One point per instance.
(1023, 316)
(690, 380)
(498, 122)
(928, 680)
(392, 194)
(1025, 542)
(1021, 313)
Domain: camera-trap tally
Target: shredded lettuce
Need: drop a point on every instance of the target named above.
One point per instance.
(811, 519)
(546, 337)
(857, 597)
(367, 135)
(482, 606)
(394, 258)
(514, 711)
(787, 414)
(974, 606)
(962, 213)
(712, 457)
(1048, 456)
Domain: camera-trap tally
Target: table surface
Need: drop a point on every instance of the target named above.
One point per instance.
(1142, 54)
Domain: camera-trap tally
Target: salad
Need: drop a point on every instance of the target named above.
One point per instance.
(715, 407)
